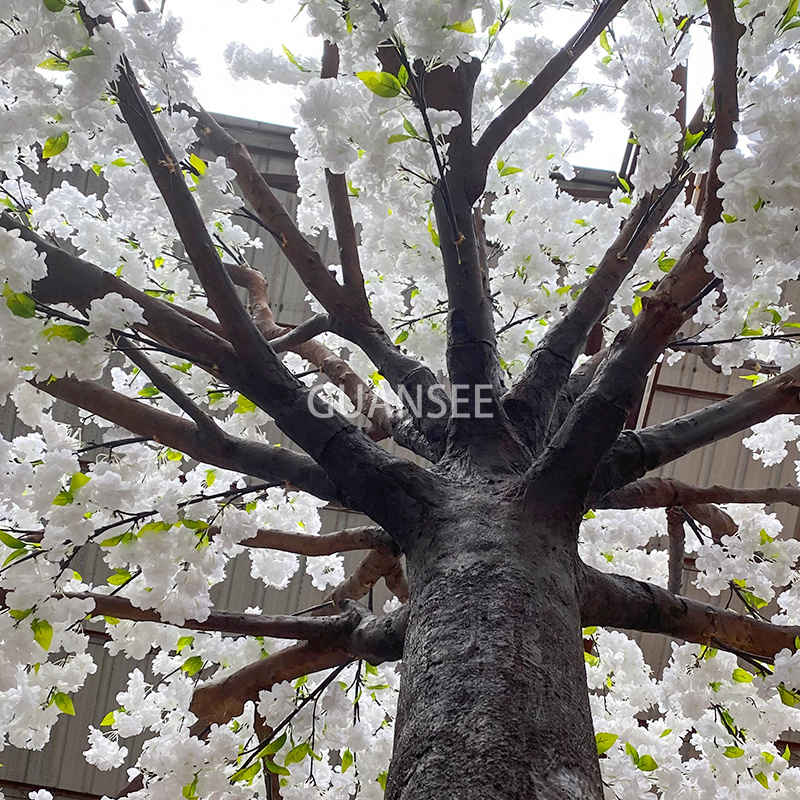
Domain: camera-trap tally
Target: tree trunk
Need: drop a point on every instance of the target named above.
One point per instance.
(493, 702)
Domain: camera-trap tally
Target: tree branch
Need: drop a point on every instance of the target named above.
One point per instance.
(665, 492)
(510, 118)
(637, 452)
(376, 564)
(368, 537)
(676, 548)
(277, 465)
(349, 318)
(621, 602)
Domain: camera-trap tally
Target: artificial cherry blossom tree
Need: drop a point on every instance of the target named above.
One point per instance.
(427, 136)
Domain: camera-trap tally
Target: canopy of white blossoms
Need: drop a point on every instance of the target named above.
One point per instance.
(711, 725)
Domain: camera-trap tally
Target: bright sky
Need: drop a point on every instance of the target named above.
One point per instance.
(210, 24)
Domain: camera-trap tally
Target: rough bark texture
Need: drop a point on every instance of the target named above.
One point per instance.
(494, 684)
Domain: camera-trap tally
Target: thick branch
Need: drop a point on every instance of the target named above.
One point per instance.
(277, 465)
(510, 118)
(350, 318)
(620, 602)
(676, 547)
(637, 452)
(665, 492)
(369, 537)
(375, 565)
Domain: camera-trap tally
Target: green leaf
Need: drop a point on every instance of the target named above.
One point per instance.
(64, 499)
(605, 741)
(198, 163)
(604, 41)
(293, 60)
(120, 577)
(211, 476)
(55, 145)
(184, 641)
(433, 232)
(10, 541)
(42, 633)
(666, 732)
(55, 5)
(691, 140)
(581, 92)
(624, 184)
(14, 556)
(72, 333)
(148, 391)
(244, 405)
(409, 128)
(509, 171)
(107, 720)
(381, 779)
(54, 64)
(273, 747)
(192, 665)
(398, 137)
(729, 218)
(646, 763)
(762, 779)
(788, 697)
(401, 337)
(19, 303)
(82, 53)
(347, 760)
(790, 12)
(467, 26)
(297, 754)
(78, 481)
(277, 769)
(742, 676)
(733, 752)
(247, 773)
(636, 307)
(384, 84)
(20, 614)
(64, 703)
(591, 660)
(120, 162)
(631, 751)
(402, 75)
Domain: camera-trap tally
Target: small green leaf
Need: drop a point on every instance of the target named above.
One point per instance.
(72, 333)
(82, 53)
(192, 665)
(401, 337)
(64, 703)
(646, 763)
(729, 218)
(742, 676)
(733, 752)
(198, 164)
(19, 303)
(55, 145)
(381, 779)
(409, 128)
(788, 697)
(120, 577)
(384, 84)
(398, 137)
(277, 769)
(402, 75)
(55, 5)
(762, 779)
(467, 26)
(434, 233)
(691, 140)
(605, 741)
(107, 720)
(509, 171)
(64, 499)
(184, 641)
(666, 732)
(42, 633)
(120, 162)
(14, 556)
(20, 614)
(631, 751)
(347, 760)
(211, 476)
(244, 405)
(78, 481)
(604, 41)
(581, 92)
(297, 754)
(10, 541)
(54, 64)
(293, 60)
(273, 747)
(247, 773)
(636, 307)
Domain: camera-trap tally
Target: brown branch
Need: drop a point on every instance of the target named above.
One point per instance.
(594, 424)
(277, 465)
(511, 117)
(368, 537)
(665, 492)
(706, 353)
(638, 452)
(377, 639)
(300, 334)
(277, 626)
(621, 602)
(375, 565)
(349, 318)
(676, 547)
(335, 368)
